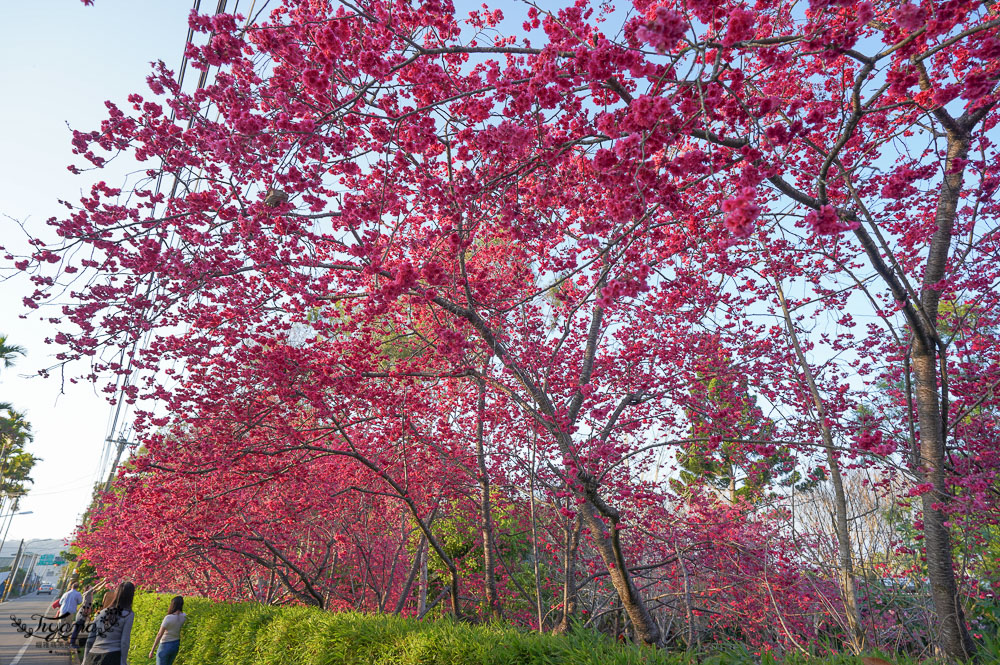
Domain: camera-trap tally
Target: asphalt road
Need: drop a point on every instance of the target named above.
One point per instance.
(15, 648)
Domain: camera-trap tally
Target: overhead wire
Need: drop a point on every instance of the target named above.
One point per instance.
(122, 381)
(122, 406)
(120, 413)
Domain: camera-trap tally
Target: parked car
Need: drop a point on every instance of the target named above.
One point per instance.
(45, 588)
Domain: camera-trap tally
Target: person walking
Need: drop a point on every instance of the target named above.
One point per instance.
(83, 613)
(169, 637)
(108, 601)
(114, 629)
(67, 609)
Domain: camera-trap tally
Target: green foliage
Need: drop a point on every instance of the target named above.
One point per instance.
(984, 620)
(8, 352)
(989, 646)
(728, 465)
(739, 654)
(86, 576)
(458, 532)
(240, 633)
(15, 434)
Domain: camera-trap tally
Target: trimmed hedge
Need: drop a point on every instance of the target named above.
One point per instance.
(242, 633)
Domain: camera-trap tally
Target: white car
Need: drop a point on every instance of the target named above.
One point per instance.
(45, 588)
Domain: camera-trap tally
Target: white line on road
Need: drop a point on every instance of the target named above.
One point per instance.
(17, 658)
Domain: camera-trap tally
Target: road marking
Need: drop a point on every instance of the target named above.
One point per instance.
(17, 658)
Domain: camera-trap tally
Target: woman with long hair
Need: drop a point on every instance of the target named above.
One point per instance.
(170, 633)
(108, 601)
(114, 629)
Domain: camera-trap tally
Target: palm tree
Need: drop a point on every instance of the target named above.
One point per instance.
(15, 462)
(15, 430)
(15, 434)
(9, 351)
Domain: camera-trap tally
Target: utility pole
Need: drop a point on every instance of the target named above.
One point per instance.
(27, 575)
(13, 571)
(64, 578)
(118, 458)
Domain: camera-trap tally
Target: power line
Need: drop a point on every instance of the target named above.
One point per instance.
(112, 434)
(122, 437)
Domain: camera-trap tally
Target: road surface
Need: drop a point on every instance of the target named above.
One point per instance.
(15, 648)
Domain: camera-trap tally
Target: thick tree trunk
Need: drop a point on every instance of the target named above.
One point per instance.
(955, 637)
(608, 545)
(486, 511)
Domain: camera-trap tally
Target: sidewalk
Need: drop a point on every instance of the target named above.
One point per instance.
(15, 648)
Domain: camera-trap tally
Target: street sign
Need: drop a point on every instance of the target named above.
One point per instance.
(47, 560)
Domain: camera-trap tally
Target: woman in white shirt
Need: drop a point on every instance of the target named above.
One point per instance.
(113, 628)
(169, 637)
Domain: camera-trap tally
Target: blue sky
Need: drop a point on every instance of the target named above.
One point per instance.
(60, 62)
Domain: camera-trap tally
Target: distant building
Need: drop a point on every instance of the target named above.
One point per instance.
(44, 554)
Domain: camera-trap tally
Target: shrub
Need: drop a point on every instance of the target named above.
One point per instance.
(241, 633)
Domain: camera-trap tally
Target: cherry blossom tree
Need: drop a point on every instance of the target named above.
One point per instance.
(567, 219)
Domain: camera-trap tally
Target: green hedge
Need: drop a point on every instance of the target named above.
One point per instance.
(242, 633)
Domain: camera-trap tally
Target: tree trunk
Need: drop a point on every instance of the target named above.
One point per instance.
(844, 547)
(693, 639)
(425, 529)
(594, 507)
(571, 544)
(840, 525)
(486, 511)
(422, 594)
(415, 568)
(534, 540)
(955, 637)
(608, 546)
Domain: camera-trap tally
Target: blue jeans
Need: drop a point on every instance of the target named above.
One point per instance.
(167, 652)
